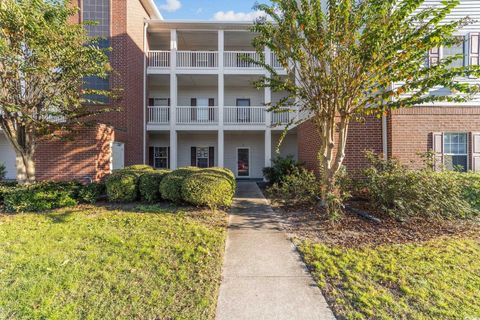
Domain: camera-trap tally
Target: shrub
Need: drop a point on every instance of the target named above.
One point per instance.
(208, 189)
(5, 187)
(171, 184)
(139, 167)
(281, 167)
(223, 172)
(91, 192)
(149, 185)
(3, 171)
(298, 188)
(40, 197)
(403, 193)
(122, 186)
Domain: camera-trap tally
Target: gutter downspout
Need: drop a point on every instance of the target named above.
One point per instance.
(385, 137)
(144, 106)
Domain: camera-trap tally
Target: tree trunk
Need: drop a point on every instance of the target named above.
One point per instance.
(25, 168)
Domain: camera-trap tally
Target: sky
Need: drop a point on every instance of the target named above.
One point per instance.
(237, 10)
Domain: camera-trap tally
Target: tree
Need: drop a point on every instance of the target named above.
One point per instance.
(348, 59)
(44, 60)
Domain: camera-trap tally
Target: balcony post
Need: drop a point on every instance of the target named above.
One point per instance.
(173, 149)
(173, 49)
(221, 148)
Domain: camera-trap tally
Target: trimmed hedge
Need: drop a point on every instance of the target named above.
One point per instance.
(122, 186)
(92, 192)
(171, 185)
(4, 188)
(225, 173)
(41, 196)
(138, 168)
(207, 188)
(149, 185)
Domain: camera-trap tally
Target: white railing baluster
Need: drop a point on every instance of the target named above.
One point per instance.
(244, 115)
(158, 115)
(159, 59)
(240, 59)
(197, 115)
(197, 59)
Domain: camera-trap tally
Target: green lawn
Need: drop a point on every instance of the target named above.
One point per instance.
(439, 279)
(100, 263)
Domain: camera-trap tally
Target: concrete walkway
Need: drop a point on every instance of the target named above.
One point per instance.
(263, 275)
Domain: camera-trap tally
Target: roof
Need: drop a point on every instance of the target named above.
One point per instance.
(152, 9)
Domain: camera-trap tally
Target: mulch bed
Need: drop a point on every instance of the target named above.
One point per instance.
(354, 231)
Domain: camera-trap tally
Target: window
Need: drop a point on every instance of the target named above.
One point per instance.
(160, 157)
(202, 157)
(456, 49)
(455, 151)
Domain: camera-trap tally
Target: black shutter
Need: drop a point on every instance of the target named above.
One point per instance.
(211, 111)
(193, 103)
(193, 156)
(168, 157)
(151, 154)
(211, 157)
(168, 102)
(151, 102)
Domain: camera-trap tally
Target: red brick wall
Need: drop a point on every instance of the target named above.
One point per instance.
(86, 154)
(362, 136)
(410, 130)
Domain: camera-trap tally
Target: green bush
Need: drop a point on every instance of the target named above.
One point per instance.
(281, 167)
(5, 187)
(122, 186)
(40, 197)
(171, 185)
(139, 167)
(149, 185)
(223, 172)
(91, 192)
(299, 188)
(208, 188)
(403, 193)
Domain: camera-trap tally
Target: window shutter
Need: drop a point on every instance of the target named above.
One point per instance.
(151, 102)
(475, 138)
(211, 103)
(193, 156)
(193, 112)
(433, 56)
(211, 156)
(168, 157)
(168, 102)
(437, 144)
(474, 49)
(151, 155)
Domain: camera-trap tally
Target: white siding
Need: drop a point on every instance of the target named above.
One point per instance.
(288, 147)
(255, 141)
(7, 157)
(470, 8)
(194, 139)
(185, 94)
(233, 93)
(159, 140)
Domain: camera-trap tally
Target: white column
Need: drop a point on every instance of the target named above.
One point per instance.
(173, 149)
(173, 49)
(221, 148)
(268, 147)
(221, 82)
(221, 49)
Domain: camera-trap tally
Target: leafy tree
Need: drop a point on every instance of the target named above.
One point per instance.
(44, 59)
(347, 59)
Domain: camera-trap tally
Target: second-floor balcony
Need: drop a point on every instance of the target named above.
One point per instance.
(240, 116)
(208, 59)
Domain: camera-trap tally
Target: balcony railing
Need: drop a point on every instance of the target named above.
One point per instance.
(274, 60)
(159, 115)
(197, 115)
(244, 115)
(159, 59)
(283, 116)
(241, 59)
(197, 59)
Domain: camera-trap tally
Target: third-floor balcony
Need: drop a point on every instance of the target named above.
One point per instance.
(189, 59)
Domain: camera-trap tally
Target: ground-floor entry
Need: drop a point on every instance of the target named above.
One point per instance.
(244, 152)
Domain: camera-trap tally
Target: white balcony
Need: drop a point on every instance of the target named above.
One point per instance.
(244, 115)
(197, 59)
(159, 59)
(241, 59)
(284, 116)
(159, 115)
(197, 115)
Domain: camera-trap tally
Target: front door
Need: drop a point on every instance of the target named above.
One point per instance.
(202, 109)
(243, 162)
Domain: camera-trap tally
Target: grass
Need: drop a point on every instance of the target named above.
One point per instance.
(100, 263)
(438, 279)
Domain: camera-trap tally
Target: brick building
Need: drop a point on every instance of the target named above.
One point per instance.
(189, 99)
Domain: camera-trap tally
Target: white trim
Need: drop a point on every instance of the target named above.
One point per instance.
(208, 155)
(249, 162)
(467, 154)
